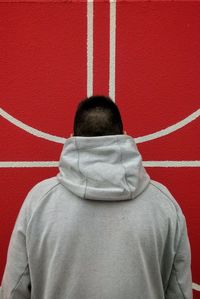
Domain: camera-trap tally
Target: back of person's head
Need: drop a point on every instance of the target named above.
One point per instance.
(97, 116)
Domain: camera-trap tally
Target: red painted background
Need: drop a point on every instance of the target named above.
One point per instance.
(43, 75)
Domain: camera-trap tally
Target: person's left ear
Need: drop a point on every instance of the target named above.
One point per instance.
(125, 133)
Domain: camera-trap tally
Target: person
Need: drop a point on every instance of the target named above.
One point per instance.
(101, 228)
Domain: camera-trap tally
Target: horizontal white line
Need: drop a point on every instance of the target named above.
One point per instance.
(62, 140)
(194, 163)
(196, 286)
(18, 164)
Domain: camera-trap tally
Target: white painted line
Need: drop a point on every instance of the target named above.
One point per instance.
(194, 163)
(169, 129)
(22, 164)
(62, 140)
(31, 130)
(90, 11)
(18, 164)
(196, 286)
(112, 53)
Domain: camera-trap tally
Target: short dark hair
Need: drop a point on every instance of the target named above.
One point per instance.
(97, 116)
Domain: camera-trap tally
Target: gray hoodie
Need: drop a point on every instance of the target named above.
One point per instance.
(101, 229)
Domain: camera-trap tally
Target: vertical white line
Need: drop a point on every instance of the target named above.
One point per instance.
(112, 49)
(90, 48)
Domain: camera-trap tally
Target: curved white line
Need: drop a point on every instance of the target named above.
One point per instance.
(18, 164)
(169, 129)
(62, 140)
(31, 130)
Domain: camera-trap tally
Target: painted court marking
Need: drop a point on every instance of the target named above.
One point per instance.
(112, 48)
(90, 25)
(196, 286)
(62, 140)
(31, 164)
(169, 129)
(31, 130)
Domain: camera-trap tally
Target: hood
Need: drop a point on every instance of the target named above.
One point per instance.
(105, 168)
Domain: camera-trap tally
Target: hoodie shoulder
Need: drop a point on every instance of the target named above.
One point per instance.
(167, 195)
(38, 192)
(44, 186)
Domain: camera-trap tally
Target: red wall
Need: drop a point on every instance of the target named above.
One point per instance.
(43, 75)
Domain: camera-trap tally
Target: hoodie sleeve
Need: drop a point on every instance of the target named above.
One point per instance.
(16, 279)
(180, 282)
(16, 283)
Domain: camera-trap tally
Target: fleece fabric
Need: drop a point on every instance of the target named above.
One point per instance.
(100, 229)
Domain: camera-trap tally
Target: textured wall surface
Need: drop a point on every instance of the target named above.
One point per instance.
(146, 55)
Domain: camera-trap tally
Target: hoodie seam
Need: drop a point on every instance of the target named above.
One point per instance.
(20, 279)
(34, 210)
(85, 187)
(124, 168)
(177, 250)
(168, 197)
(177, 246)
(176, 276)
